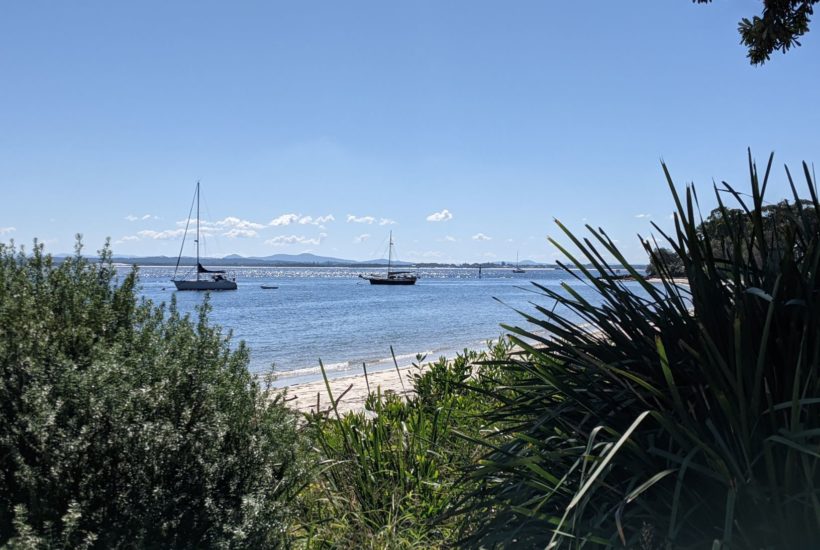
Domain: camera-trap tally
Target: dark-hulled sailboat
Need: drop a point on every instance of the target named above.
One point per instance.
(205, 279)
(391, 277)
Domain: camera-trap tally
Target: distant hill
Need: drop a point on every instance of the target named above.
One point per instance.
(304, 258)
(280, 260)
(383, 262)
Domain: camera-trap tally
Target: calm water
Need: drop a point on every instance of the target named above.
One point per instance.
(330, 314)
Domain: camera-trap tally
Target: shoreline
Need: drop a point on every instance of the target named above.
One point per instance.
(313, 374)
(353, 390)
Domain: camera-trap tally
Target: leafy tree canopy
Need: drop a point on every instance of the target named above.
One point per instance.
(726, 226)
(665, 261)
(779, 27)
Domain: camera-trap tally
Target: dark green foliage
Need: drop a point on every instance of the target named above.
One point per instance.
(124, 424)
(664, 259)
(779, 27)
(681, 416)
(726, 226)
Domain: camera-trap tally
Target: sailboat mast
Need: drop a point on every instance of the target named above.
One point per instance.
(197, 230)
(390, 253)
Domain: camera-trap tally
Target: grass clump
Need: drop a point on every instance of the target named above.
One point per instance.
(390, 476)
(680, 416)
(123, 424)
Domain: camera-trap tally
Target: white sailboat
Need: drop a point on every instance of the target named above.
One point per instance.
(204, 279)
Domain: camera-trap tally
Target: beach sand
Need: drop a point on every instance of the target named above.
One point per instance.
(303, 397)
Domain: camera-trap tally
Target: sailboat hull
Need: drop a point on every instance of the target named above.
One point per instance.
(393, 281)
(205, 285)
(392, 278)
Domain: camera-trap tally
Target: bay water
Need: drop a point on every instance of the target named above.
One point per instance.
(332, 315)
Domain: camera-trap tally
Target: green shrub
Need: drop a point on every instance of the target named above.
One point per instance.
(123, 424)
(389, 475)
(680, 416)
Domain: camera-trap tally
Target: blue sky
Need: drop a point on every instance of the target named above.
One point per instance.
(464, 127)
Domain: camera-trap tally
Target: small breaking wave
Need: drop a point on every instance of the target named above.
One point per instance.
(346, 368)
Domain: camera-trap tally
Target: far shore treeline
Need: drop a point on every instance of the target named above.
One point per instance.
(683, 412)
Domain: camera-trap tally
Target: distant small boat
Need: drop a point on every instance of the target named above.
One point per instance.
(391, 277)
(517, 267)
(269, 287)
(215, 279)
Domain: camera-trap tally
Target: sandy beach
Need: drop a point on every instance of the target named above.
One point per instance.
(304, 397)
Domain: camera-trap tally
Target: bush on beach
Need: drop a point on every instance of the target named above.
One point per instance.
(126, 424)
(686, 416)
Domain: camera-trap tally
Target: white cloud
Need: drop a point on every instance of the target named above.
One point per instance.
(481, 237)
(241, 233)
(361, 238)
(235, 223)
(284, 240)
(442, 216)
(360, 219)
(4, 230)
(162, 235)
(449, 239)
(369, 220)
(287, 219)
(310, 220)
(231, 222)
(284, 219)
(643, 215)
(131, 218)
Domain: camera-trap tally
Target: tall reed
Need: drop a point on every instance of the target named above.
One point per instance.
(683, 415)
